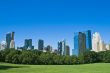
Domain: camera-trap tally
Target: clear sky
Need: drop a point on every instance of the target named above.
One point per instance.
(53, 20)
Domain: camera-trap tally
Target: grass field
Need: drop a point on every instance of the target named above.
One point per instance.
(87, 68)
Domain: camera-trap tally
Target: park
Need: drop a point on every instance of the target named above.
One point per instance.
(85, 68)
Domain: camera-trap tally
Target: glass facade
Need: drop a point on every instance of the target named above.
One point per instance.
(28, 44)
(88, 40)
(76, 44)
(62, 47)
(40, 45)
(8, 40)
(82, 42)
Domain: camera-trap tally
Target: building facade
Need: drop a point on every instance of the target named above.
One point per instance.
(82, 42)
(88, 40)
(12, 43)
(28, 44)
(97, 43)
(108, 47)
(40, 45)
(67, 50)
(3, 45)
(62, 47)
(8, 40)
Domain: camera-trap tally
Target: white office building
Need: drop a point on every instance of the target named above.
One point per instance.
(97, 43)
(3, 45)
(108, 47)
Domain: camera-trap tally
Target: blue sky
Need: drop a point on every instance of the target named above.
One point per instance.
(53, 20)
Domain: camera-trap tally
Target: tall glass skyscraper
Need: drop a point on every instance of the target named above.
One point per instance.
(75, 51)
(88, 40)
(40, 45)
(12, 43)
(28, 44)
(8, 40)
(82, 42)
(62, 47)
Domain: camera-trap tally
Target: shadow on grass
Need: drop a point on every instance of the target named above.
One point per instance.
(2, 67)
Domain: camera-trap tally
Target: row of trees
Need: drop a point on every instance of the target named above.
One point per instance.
(40, 58)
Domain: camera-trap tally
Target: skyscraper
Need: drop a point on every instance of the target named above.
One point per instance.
(40, 45)
(12, 43)
(13, 33)
(28, 44)
(97, 43)
(8, 40)
(3, 45)
(67, 50)
(88, 40)
(62, 47)
(75, 51)
(108, 47)
(82, 42)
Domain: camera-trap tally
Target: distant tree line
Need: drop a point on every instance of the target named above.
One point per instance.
(36, 57)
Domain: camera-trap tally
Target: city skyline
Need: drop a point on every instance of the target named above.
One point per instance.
(53, 21)
(88, 42)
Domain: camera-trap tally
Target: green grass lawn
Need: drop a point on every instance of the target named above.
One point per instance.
(87, 68)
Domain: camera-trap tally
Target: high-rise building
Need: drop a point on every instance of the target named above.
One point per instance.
(40, 45)
(13, 33)
(28, 44)
(88, 40)
(79, 43)
(12, 43)
(62, 47)
(108, 47)
(82, 42)
(97, 43)
(8, 40)
(67, 50)
(3, 45)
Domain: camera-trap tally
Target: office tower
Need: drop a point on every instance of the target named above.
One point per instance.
(108, 47)
(97, 43)
(88, 40)
(13, 33)
(75, 51)
(8, 40)
(3, 45)
(40, 45)
(79, 43)
(62, 47)
(67, 50)
(28, 44)
(82, 42)
(12, 43)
